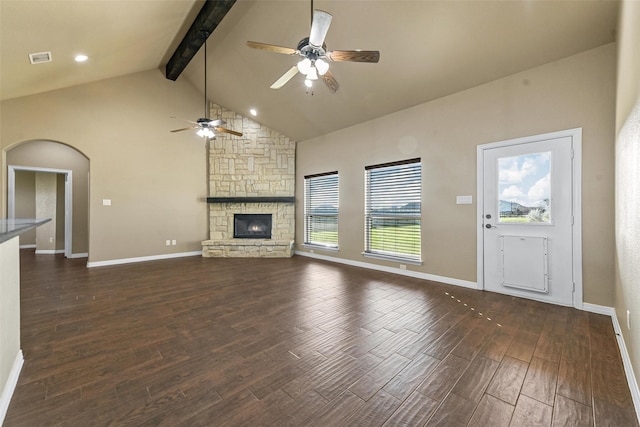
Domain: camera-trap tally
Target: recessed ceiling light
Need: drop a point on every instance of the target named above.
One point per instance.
(81, 58)
(253, 112)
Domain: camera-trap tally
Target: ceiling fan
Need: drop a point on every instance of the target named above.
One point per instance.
(207, 127)
(315, 55)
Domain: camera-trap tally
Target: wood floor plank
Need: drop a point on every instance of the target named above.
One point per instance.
(406, 381)
(335, 384)
(523, 346)
(299, 341)
(376, 378)
(492, 412)
(507, 382)
(471, 344)
(540, 381)
(496, 346)
(609, 414)
(454, 411)
(374, 412)
(574, 379)
(265, 409)
(529, 412)
(445, 376)
(414, 411)
(340, 408)
(474, 381)
(567, 412)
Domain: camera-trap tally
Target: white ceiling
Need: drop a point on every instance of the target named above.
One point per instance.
(428, 49)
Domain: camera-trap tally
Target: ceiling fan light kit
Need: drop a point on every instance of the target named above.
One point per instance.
(315, 57)
(207, 127)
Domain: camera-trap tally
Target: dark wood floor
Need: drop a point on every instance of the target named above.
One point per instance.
(299, 342)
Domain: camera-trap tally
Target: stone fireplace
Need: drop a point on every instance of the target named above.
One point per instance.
(251, 175)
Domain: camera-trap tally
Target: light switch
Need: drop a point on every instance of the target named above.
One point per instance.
(106, 202)
(464, 200)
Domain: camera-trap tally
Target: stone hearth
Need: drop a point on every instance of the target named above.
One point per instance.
(252, 174)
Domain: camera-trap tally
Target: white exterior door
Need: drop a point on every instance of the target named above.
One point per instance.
(528, 219)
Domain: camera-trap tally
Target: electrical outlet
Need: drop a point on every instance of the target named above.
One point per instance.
(50, 239)
(403, 267)
(173, 242)
(628, 320)
(168, 242)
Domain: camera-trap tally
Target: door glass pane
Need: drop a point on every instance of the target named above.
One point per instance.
(524, 188)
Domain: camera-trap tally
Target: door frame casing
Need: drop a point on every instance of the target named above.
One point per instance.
(576, 203)
(68, 199)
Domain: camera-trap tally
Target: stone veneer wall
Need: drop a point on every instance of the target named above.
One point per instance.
(261, 163)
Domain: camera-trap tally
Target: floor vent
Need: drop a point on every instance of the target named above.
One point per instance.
(40, 57)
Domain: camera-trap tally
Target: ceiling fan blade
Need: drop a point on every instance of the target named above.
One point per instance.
(272, 48)
(184, 120)
(189, 128)
(319, 27)
(354, 55)
(232, 132)
(213, 123)
(285, 78)
(331, 82)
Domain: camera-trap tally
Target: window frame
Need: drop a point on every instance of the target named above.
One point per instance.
(308, 206)
(370, 217)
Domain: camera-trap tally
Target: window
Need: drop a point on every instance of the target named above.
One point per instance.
(321, 210)
(525, 188)
(392, 210)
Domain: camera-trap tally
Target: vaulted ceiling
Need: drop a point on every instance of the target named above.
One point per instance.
(428, 49)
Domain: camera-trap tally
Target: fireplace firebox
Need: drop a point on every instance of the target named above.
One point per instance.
(252, 226)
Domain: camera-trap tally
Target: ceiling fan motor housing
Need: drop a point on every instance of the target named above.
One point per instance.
(310, 51)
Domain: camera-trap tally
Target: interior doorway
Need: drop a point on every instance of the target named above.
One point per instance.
(529, 238)
(51, 158)
(46, 202)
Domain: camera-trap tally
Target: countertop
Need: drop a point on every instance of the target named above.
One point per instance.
(10, 228)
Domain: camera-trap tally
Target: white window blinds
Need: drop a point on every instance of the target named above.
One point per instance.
(321, 209)
(393, 208)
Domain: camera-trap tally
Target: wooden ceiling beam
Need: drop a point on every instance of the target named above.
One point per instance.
(203, 25)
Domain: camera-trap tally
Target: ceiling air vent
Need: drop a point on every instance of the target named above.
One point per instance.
(40, 57)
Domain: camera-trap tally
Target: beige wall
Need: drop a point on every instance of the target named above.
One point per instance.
(627, 179)
(9, 310)
(155, 179)
(577, 91)
(60, 208)
(25, 198)
(54, 155)
(46, 201)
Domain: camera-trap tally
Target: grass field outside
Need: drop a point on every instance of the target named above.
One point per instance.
(403, 240)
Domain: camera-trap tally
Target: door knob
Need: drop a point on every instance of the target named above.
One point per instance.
(488, 216)
(490, 226)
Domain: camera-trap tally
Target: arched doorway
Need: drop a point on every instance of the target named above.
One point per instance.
(59, 166)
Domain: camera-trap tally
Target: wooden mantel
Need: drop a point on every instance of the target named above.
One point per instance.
(251, 199)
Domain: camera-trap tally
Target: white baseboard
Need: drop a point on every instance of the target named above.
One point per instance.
(49, 251)
(10, 385)
(142, 259)
(410, 273)
(27, 246)
(628, 367)
(80, 255)
(599, 309)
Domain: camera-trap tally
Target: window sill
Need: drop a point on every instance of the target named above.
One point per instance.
(320, 247)
(392, 258)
